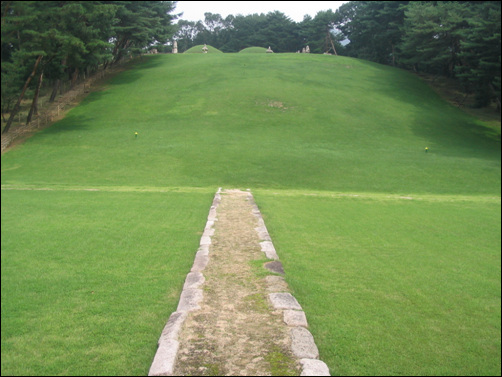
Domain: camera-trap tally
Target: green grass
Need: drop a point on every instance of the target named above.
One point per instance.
(333, 149)
(90, 278)
(272, 122)
(253, 50)
(394, 286)
(198, 50)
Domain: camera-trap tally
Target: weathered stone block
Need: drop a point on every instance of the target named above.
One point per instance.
(311, 367)
(284, 301)
(173, 327)
(268, 248)
(302, 344)
(295, 318)
(205, 240)
(163, 362)
(189, 300)
(276, 284)
(275, 266)
(194, 280)
(200, 262)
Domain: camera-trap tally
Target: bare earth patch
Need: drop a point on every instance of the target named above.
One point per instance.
(236, 331)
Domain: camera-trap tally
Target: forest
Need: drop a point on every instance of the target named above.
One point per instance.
(47, 42)
(456, 39)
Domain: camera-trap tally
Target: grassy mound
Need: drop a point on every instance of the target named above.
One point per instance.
(198, 50)
(393, 253)
(253, 50)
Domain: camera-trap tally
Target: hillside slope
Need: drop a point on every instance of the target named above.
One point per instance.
(290, 121)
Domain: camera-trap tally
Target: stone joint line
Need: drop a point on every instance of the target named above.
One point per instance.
(302, 341)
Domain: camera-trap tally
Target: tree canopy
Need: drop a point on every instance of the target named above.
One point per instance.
(457, 39)
(45, 42)
(274, 29)
(51, 40)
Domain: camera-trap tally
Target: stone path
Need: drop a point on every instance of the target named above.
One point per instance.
(233, 319)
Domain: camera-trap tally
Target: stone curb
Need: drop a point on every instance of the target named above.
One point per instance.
(314, 368)
(302, 342)
(191, 296)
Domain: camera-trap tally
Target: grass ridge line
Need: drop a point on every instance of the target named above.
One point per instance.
(269, 192)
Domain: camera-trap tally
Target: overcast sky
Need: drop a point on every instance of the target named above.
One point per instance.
(194, 10)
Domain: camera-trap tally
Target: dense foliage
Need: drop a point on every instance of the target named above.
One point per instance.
(457, 39)
(274, 29)
(50, 41)
(53, 40)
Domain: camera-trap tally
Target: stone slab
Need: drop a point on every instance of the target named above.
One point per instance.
(200, 262)
(264, 236)
(261, 228)
(312, 367)
(173, 327)
(276, 284)
(194, 280)
(263, 233)
(275, 266)
(189, 300)
(302, 344)
(268, 248)
(205, 240)
(209, 232)
(165, 357)
(203, 250)
(295, 318)
(284, 301)
(212, 215)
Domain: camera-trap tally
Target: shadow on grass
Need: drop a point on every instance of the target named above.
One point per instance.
(447, 130)
(135, 69)
(454, 134)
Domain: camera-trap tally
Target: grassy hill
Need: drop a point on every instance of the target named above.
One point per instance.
(394, 253)
(275, 122)
(253, 50)
(198, 50)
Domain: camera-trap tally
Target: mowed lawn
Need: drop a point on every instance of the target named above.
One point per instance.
(263, 121)
(392, 285)
(393, 253)
(90, 278)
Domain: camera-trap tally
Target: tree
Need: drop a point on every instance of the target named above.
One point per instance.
(373, 28)
(479, 69)
(73, 38)
(432, 35)
(316, 32)
(21, 96)
(141, 24)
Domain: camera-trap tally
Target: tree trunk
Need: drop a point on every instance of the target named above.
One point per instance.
(497, 98)
(18, 103)
(55, 90)
(332, 45)
(74, 78)
(34, 103)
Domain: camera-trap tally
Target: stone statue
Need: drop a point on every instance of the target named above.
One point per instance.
(307, 50)
(204, 49)
(175, 47)
(269, 49)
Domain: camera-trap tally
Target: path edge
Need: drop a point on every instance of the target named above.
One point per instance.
(191, 295)
(302, 342)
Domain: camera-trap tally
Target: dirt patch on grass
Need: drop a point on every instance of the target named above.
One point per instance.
(236, 332)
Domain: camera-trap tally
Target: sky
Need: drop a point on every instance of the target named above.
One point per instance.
(194, 10)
